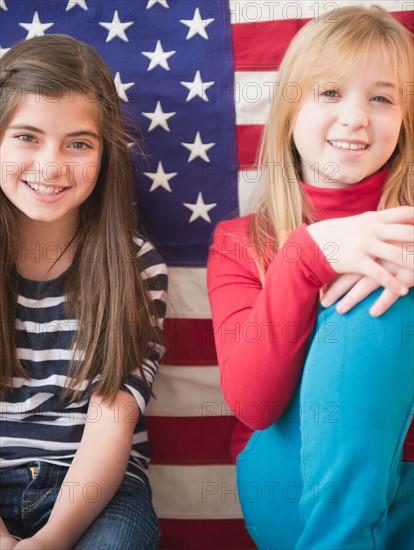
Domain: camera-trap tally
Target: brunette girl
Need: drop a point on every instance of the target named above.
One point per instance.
(82, 298)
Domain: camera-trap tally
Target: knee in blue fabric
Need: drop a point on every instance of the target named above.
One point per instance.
(269, 470)
(269, 483)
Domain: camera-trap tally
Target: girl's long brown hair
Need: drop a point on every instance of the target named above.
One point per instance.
(104, 291)
(329, 48)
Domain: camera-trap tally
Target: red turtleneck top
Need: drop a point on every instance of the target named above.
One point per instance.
(255, 323)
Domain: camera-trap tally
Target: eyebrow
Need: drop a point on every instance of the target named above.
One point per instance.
(38, 130)
(385, 84)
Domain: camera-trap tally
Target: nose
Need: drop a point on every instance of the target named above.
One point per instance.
(353, 115)
(49, 164)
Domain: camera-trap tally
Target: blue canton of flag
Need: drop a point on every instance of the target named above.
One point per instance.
(173, 68)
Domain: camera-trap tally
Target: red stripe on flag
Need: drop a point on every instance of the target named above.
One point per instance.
(192, 440)
(189, 342)
(266, 53)
(406, 17)
(248, 137)
(229, 534)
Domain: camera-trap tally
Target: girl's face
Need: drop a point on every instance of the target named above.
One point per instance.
(50, 157)
(347, 130)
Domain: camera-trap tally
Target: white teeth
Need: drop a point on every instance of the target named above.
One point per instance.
(346, 145)
(44, 189)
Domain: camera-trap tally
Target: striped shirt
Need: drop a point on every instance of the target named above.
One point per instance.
(35, 423)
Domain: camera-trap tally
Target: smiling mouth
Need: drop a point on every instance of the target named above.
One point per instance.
(348, 146)
(44, 189)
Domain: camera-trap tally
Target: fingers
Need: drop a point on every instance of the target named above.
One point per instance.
(396, 254)
(363, 288)
(387, 298)
(383, 303)
(384, 278)
(400, 214)
(339, 287)
(396, 232)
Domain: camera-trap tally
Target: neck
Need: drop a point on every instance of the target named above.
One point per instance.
(43, 252)
(346, 201)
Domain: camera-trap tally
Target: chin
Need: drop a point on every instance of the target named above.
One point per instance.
(351, 179)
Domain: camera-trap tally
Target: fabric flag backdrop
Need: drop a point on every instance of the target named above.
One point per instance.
(198, 76)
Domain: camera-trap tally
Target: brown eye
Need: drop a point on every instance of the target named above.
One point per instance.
(26, 138)
(80, 145)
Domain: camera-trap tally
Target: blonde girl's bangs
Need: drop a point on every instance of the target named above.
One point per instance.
(331, 46)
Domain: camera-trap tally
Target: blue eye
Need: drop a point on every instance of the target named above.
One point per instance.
(381, 99)
(330, 93)
(330, 96)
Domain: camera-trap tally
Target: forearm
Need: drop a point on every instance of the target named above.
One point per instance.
(95, 473)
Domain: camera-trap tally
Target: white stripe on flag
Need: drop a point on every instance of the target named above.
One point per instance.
(254, 92)
(187, 391)
(248, 182)
(195, 492)
(187, 292)
(247, 11)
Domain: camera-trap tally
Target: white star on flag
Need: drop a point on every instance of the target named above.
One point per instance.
(198, 148)
(158, 57)
(122, 87)
(160, 178)
(3, 5)
(158, 118)
(200, 209)
(3, 51)
(36, 27)
(197, 87)
(72, 3)
(152, 3)
(196, 25)
(116, 28)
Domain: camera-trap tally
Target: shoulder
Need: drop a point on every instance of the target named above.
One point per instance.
(236, 239)
(237, 230)
(232, 249)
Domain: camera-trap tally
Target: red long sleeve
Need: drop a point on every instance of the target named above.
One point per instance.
(262, 334)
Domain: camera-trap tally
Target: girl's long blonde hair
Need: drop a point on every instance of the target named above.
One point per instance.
(105, 293)
(330, 47)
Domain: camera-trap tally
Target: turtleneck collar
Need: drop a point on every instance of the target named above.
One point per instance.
(347, 201)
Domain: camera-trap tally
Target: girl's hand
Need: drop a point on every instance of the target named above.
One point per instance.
(339, 287)
(355, 288)
(359, 241)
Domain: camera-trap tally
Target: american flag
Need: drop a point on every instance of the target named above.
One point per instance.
(198, 76)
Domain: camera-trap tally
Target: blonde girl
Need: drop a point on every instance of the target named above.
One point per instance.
(81, 307)
(331, 395)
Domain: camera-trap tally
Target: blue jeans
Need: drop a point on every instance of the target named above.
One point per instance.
(128, 521)
(329, 474)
